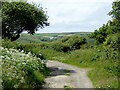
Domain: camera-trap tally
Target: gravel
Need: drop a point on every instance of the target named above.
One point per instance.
(66, 75)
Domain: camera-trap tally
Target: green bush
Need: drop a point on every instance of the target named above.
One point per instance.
(65, 39)
(44, 45)
(37, 53)
(20, 70)
(59, 46)
(75, 42)
(33, 48)
(68, 43)
(27, 47)
(113, 40)
(6, 43)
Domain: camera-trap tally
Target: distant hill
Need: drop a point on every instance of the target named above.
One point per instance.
(41, 37)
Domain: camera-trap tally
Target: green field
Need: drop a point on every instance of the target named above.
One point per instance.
(37, 38)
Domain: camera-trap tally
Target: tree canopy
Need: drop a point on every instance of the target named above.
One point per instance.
(21, 16)
(115, 12)
(111, 27)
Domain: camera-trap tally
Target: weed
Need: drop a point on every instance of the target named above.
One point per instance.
(67, 87)
(66, 71)
(68, 74)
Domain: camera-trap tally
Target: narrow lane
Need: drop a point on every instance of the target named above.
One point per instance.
(63, 75)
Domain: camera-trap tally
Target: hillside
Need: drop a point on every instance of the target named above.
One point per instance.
(37, 38)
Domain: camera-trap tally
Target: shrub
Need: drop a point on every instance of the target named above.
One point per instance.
(68, 43)
(75, 42)
(113, 40)
(43, 45)
(20, 70)
(65, 39)
(59, 46)
(37, 53)
(6, 43)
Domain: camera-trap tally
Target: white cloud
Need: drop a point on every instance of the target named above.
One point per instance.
(75, 15)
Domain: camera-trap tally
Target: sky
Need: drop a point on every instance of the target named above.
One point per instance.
(75, 15)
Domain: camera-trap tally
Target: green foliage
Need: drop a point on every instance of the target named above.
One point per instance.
(101, 34)
(75, 42)
(59, 46)
(67, 87)
(20, 70)
(43, 37)
(6, 43)
(21, 16)
(113, 40)
(25, 38)
(68, 43)
(35, 79)
(65, 39)
(64, 45)
(34, 48)
(115, 12)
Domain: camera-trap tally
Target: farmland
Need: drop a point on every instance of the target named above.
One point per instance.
(36, 38)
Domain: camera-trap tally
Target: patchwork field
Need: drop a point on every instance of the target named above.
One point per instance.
(37, 38)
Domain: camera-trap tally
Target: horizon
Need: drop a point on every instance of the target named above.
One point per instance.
(55, 32)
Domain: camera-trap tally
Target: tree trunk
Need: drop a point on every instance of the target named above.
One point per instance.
(15, 38)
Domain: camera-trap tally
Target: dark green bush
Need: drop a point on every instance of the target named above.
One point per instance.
(43, 45)
(59, 46)
(37, 53)
(65, 39)
(113, 40)
(6, 43)
(68, 43)
(75, 42)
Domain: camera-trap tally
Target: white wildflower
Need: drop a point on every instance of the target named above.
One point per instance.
(22, 81)
(22, 78)
(24, 63)
(7, 51)
(10, 78)
(16, 86)
(17, 77)
(2, 56)
(22, 51)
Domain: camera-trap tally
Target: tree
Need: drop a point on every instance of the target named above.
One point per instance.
(115, 13)
(21, 16)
